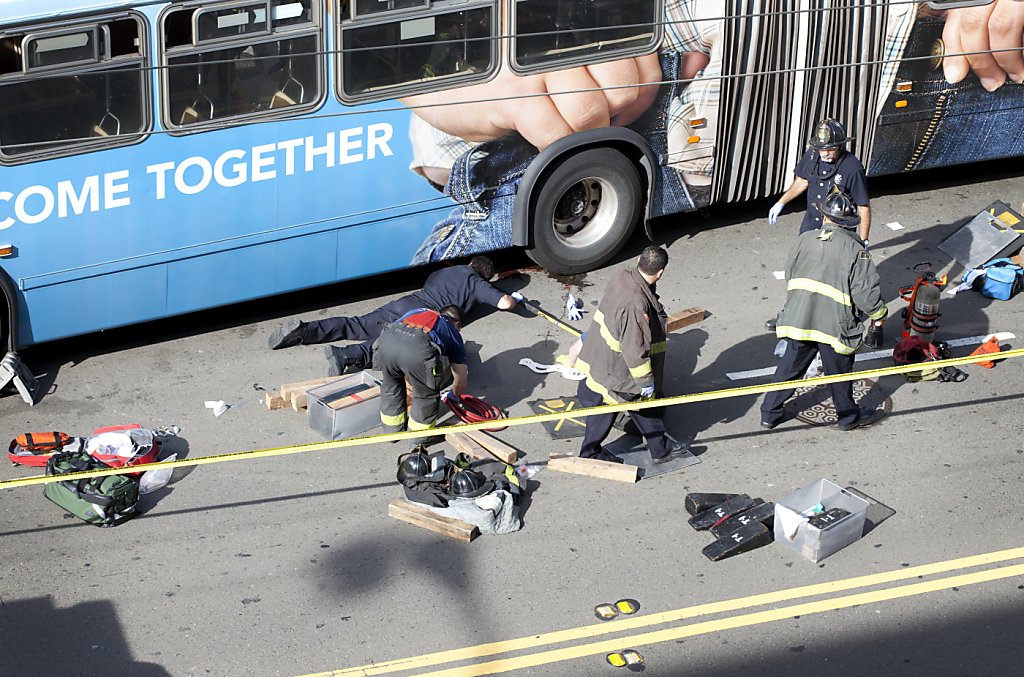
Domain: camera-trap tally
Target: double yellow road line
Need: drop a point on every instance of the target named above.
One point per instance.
(580, 648)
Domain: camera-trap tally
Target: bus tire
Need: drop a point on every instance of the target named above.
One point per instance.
(585, 211)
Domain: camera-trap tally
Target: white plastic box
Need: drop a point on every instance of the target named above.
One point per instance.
(813, 543)
(355, 419)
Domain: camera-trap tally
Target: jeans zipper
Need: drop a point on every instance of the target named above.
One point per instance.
(940, 108)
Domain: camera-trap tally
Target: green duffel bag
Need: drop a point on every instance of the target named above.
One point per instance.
(102, 501)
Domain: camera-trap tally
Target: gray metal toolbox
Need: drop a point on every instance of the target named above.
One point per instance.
(333, 413)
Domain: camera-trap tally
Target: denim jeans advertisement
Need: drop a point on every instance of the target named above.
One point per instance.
(726, 102)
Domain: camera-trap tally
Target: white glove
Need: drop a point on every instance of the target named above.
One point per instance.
(574, 308)
(647, 392)
(519, 298)
(773, 213)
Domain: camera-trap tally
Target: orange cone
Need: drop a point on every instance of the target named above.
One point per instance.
(989, 347)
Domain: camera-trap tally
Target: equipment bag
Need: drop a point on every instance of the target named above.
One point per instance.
(101, 501)
(915, 350)
(1003, 279)
(123, 445)
(36, 448)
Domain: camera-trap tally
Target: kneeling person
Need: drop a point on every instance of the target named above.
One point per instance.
(419, 348)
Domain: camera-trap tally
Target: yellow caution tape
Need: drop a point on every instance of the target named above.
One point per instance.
(742, 391)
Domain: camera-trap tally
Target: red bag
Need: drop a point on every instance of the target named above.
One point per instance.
(123, 445)
(35, 449)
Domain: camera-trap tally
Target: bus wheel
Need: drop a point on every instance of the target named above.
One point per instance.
(585, 211)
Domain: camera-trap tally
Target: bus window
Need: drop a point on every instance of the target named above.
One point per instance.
(240, 60)
(549, 33)
(400, 51)
(71, 89)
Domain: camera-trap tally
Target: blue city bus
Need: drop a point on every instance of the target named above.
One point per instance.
(158, 158)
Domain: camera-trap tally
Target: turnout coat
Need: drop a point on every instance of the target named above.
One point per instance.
(624, 348)
(831, 284)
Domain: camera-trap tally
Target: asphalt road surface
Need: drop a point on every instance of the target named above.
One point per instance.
(290, 565)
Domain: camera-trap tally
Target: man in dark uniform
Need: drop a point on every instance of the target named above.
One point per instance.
(419, 348)
(461, 286)
(831, 285)
(827, 163)
(624, 358)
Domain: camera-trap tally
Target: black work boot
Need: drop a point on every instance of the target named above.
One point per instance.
(287, 335)
(676, 450)
(338, 363)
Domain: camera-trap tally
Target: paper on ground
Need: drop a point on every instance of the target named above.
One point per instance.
(895, 225)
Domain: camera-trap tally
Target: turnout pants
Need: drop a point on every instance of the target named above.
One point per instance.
(798, 357)
(365, 328)
(649, 421)
(405, 353)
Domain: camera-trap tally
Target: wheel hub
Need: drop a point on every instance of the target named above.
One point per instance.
(585, 212)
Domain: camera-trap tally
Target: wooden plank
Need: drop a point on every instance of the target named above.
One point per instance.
(274, 401)
(466, 444)
(684, 318)
(355, 398)
(498, 449)
(302, 386)
(420, 516)
(591, 467)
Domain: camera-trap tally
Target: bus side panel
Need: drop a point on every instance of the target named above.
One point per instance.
(218, 279)
(92, 304)
(304, 262)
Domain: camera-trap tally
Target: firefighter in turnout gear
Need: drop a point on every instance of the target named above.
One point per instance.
(831, 285)
(623, 357)
(419, 348)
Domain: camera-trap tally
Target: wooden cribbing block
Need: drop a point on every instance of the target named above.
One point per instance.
(467, 445)
(355, 398)
(423, 517)
(498, 449)
(302, 386)
(684, 318)
(592, 467)
(274, 401)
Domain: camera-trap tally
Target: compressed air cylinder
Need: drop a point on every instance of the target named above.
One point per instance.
(924, 317)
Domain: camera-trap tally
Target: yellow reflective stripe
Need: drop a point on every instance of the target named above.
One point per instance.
(594, 385)
(816, 336)
(815, 287)
(396, 420)
(605, 334)
(416, 425)
(658, 347)
(879, 314)
(643, 370)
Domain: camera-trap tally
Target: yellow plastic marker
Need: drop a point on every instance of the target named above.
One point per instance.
(628, 606)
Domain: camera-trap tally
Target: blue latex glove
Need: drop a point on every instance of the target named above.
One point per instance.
(647, 392)
(574, 308)
(448, 396)
(519, 298)
(773, 213)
